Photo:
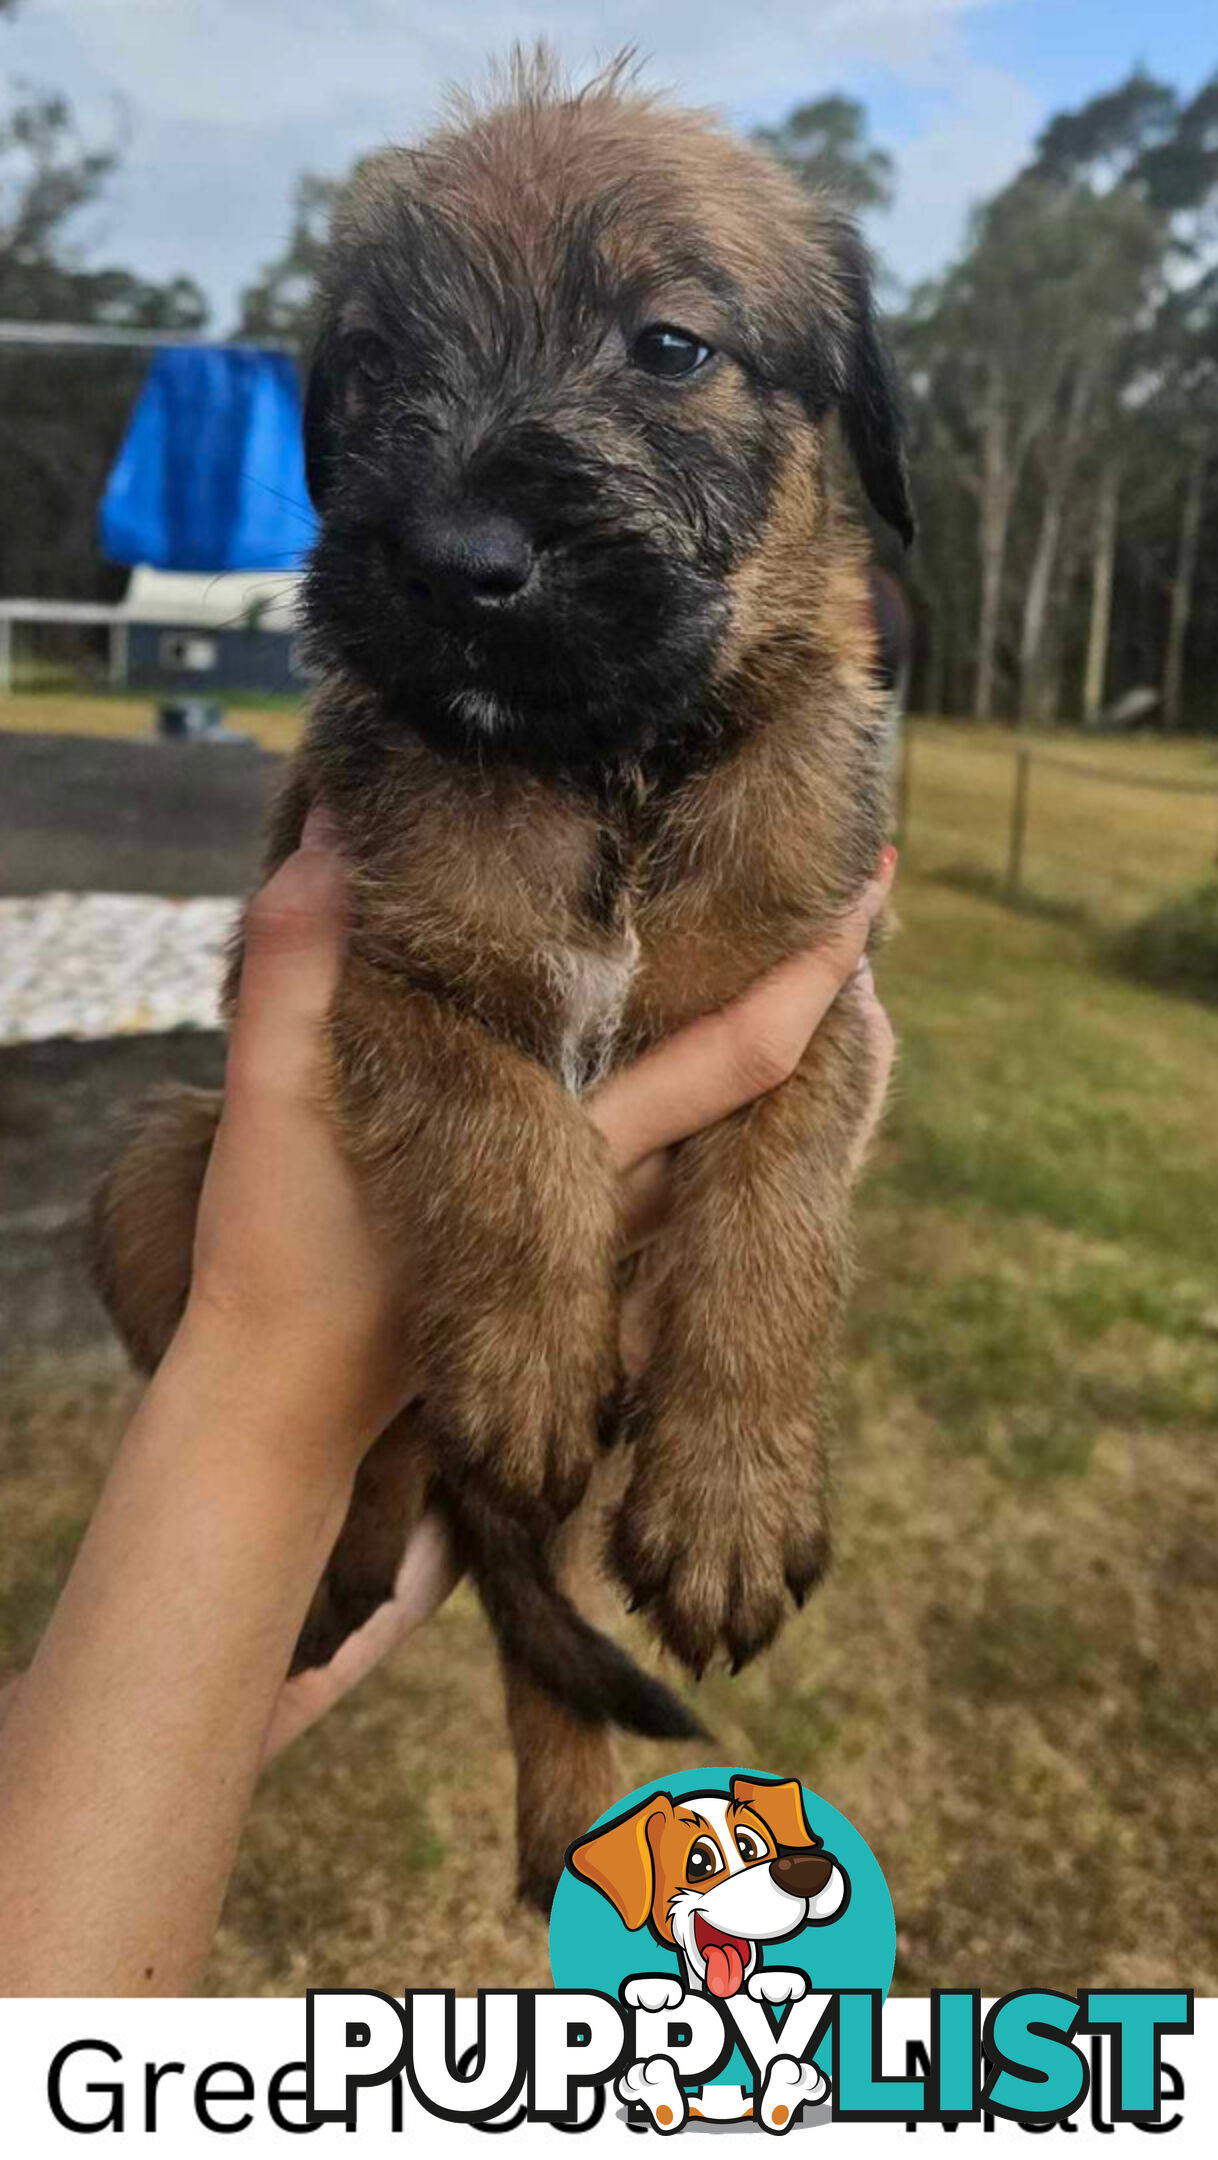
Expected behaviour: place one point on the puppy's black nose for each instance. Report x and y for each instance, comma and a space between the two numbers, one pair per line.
464, 561
802, 1874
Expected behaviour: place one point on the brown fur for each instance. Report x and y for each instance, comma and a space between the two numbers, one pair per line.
471, 915
564, 1774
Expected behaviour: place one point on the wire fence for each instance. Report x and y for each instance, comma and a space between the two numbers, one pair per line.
1108, 831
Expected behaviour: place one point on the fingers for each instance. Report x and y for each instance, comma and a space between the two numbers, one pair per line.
427, 1576
719, 1063
883, 1054
644, 1192
292, 956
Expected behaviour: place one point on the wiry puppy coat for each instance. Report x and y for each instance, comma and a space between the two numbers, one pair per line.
598, 726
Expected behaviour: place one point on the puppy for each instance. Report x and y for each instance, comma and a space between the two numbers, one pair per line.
716, 1878
598, 723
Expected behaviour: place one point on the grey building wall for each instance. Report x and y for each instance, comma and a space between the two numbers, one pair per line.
265, 660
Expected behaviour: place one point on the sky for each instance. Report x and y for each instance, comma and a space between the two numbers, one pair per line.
219, 104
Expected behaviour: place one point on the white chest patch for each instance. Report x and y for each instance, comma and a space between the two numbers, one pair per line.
593, 988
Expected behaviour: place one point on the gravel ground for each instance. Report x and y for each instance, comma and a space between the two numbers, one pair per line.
94, 965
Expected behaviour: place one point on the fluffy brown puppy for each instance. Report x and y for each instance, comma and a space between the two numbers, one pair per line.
598, 726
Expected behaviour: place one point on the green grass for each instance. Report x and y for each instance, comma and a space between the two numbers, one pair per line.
1012, 1665
274, 722
1175, 947
1103, 842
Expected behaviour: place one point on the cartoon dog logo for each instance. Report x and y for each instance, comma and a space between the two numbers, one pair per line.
717, 1877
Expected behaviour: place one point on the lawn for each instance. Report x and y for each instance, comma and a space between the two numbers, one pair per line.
273, 722
1010, 1680
1115, 824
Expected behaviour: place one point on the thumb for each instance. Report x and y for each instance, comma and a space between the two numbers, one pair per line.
294, 934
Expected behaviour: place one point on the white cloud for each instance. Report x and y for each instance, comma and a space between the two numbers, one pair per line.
227, 100
981, 136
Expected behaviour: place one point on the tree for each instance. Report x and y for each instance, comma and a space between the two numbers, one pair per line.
1186, 410
62, 412
999, 347
280, 302
825, 145
1117, 249
1064, 376
1103, 571
1140, 145
1109, 141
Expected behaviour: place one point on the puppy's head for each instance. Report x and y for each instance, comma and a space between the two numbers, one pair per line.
716, 1876
564, 422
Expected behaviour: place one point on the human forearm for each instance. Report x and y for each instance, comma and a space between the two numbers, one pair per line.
131, 1746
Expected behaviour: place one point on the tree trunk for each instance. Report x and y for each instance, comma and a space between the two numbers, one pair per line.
1036, 607
1103, 564
934, 666
1039, 593
1182, 591
994, 531
1053, 659
993, 564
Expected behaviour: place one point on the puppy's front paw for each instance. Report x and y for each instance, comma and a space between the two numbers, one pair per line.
653, 1991
713, 1548
519, 1396
778, 1986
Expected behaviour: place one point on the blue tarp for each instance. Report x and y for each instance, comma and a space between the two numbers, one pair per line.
211, 472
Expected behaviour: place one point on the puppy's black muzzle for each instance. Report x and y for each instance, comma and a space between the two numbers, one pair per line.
457, 566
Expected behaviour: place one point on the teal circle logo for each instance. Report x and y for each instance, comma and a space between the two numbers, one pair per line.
717, 1876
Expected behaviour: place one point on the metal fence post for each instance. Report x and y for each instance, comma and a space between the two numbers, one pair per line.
117, 670
1019, 824
6, 655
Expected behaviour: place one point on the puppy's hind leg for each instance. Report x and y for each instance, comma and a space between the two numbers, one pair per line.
564, 1779
567, 1682
143, 1224
566, 1761
361, 1574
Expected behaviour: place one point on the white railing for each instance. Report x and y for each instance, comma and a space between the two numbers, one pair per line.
89, 613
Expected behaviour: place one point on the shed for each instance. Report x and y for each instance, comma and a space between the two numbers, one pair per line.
239, 630
177, 631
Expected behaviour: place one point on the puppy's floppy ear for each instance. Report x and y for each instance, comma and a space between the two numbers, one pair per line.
618, 1860
319, 416
868, 397
780, 1805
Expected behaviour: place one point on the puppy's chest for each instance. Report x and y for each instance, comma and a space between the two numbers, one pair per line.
523, 917
557, 933
591, 989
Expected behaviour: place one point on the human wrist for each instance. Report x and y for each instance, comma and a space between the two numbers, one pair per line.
300, 1405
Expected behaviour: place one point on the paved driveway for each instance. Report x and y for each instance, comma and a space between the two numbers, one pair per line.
84, 816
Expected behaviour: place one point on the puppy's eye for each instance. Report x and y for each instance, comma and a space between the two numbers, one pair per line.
704, 1860
661, 349
749, 1847
369, 358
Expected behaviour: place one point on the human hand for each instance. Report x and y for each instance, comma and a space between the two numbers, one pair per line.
291, 1284
727, 1059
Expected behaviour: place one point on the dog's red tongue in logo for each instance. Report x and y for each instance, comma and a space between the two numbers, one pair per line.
726, 1957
